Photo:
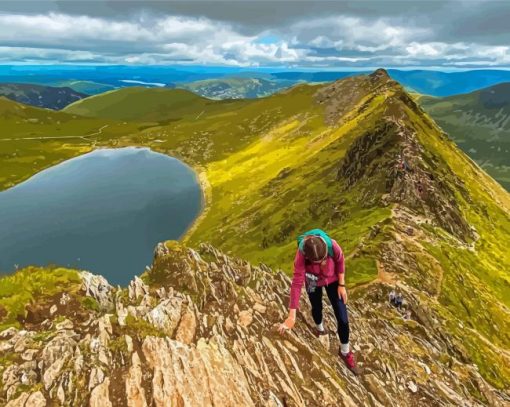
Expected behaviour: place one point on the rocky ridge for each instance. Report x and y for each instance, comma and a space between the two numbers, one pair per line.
197, 329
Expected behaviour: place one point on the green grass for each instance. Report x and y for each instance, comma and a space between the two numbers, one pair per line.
33, 284
90, 304
139, 104
141, 328
361, 270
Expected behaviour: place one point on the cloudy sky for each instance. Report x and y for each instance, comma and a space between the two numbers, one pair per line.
306, 33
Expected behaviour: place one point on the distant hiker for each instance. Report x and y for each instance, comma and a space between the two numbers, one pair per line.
407, 315
419, 187
406, 165
64, 299
399, 300
392, 297
319, 262
401, 167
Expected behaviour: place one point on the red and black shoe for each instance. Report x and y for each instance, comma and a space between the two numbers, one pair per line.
349, 361
317, 332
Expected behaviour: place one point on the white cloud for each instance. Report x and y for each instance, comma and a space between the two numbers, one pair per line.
58, 28
459, 53
354, 33
27, 54
149, 39
416, 49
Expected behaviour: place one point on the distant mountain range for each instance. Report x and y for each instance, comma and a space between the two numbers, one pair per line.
40, 96
437, 83
479, 122
236, 88
217, 82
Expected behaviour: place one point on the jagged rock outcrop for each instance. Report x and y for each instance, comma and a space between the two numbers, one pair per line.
197, 329
98, 288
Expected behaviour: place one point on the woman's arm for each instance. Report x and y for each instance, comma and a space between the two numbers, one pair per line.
297, 280
338, 258
340, 270
295, 291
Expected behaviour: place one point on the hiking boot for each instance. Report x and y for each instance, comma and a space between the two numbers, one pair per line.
317, 332
349, 361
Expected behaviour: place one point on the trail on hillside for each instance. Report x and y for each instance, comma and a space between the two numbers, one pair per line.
84, 137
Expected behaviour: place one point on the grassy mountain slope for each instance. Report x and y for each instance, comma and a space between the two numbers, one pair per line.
327, 156
40, 96
139, 104
33, 139
479, 122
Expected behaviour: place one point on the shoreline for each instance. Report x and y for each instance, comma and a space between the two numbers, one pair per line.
205, 187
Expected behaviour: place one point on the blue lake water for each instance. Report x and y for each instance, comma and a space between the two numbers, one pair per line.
103, 211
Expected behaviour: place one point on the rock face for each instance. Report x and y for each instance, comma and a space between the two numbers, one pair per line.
98, 288
197, 329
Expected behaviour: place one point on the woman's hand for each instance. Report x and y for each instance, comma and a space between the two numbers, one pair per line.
287, 324
342, 293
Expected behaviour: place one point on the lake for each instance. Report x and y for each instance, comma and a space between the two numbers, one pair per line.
104, 211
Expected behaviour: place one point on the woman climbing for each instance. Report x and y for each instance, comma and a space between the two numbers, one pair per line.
319, 262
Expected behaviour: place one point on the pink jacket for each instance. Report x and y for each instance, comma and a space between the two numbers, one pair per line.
329, 273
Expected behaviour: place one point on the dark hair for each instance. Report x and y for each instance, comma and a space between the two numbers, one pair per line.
315, 248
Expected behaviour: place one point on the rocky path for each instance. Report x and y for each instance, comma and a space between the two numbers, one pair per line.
198, 330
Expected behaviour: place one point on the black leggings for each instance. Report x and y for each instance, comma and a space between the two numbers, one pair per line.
339, 308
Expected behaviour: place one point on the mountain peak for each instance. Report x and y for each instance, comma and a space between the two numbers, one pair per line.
343, 95
380, 73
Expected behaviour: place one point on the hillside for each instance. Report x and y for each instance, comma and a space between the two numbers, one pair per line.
41, 96
479, 122
10, 109
33, 139
327, 155
139, 104
234, 88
